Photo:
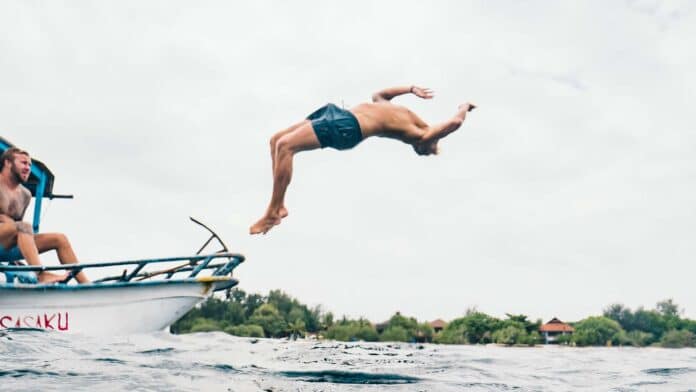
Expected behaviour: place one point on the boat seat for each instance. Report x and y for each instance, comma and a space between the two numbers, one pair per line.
12, 257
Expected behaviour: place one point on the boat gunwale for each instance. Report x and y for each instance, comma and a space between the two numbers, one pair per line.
90, 286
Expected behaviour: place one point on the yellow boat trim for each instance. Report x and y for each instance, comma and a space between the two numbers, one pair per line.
209, 279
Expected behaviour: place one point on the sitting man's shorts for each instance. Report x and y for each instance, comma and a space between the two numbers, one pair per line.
336, 127
12, 255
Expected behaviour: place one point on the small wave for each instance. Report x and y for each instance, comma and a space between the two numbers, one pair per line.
643, 383
668, 371
27, 329
29, 372
157, 351
223, 367
111, 360
496, 386
343, 377
483, 360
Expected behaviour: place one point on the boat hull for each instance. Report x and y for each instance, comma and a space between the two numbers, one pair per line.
98, 309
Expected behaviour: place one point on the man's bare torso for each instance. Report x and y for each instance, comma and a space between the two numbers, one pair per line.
14, 202
386, 119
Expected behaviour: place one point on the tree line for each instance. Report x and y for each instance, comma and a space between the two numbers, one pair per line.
278, 315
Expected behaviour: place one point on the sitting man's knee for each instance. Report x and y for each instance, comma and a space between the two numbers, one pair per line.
62, 240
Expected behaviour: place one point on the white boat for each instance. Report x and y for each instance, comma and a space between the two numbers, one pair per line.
148, 295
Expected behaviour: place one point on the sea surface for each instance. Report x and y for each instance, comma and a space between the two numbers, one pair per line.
51, 361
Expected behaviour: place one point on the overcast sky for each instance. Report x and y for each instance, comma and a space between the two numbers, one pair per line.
570, 188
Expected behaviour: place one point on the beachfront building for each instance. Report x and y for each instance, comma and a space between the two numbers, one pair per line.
438, 325
553, 329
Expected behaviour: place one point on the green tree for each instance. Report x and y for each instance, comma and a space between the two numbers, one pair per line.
268, 317
597, 331
476, 326
620, 314
237, 295
296, 314
511, 335
522, 320
689, 325
283, 302
395, 333
204, 325
636, 338
367, 332
327, 320
398, 323
649, 321
678, 338
652, 323
251, 303
424, 332
213, 308
351, 330
670, 314
250, 330
234, 313
452, 335
668, 308
297, 328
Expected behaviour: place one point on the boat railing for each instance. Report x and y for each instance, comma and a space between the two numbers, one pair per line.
193, 265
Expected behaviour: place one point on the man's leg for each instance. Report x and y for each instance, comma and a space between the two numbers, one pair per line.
27, 246
274, 140
14, 234
8, 232
301, 139
59, 242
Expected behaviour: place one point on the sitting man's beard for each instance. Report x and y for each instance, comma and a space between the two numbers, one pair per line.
17, 175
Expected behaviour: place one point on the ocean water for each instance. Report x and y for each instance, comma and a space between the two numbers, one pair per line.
50, 361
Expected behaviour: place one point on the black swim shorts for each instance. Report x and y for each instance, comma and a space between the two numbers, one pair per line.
336, 127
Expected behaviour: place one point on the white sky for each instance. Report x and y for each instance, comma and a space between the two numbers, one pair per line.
571, 187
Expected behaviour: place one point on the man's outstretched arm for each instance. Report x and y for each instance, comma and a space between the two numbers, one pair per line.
389, 93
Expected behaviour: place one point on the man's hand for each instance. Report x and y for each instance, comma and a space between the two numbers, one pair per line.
467, 107
422, 92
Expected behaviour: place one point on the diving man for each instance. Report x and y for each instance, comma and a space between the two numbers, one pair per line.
14, 200
331, 126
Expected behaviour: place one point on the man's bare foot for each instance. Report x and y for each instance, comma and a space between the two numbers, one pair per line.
468, 106
47, 277
264, 224
283, 212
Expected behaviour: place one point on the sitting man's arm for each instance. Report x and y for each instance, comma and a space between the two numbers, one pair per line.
389, 93
19, 226
24, 227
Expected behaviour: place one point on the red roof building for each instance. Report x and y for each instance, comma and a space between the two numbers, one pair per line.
438, 325
555, 328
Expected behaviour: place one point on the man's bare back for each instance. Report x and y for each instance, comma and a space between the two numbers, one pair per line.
341, 129
386, 119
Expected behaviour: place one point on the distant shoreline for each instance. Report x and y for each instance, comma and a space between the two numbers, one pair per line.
277, 315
